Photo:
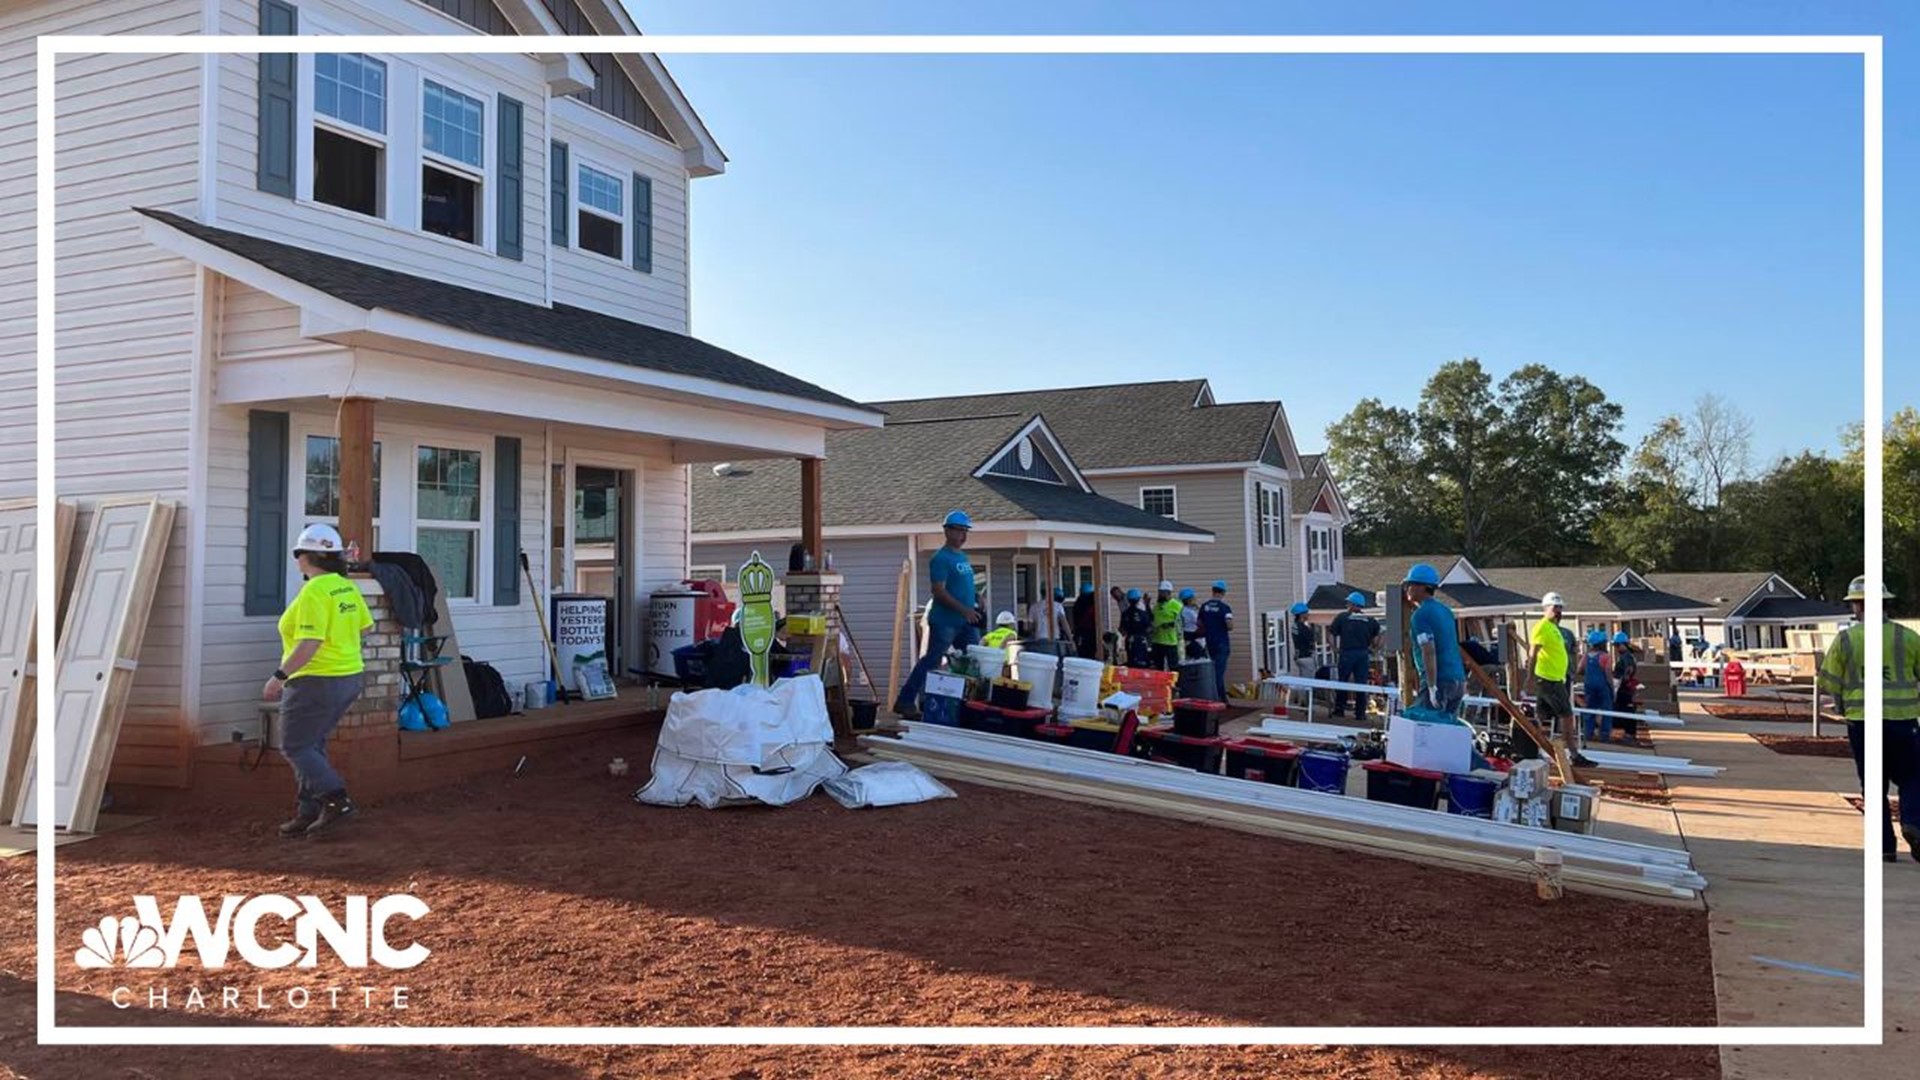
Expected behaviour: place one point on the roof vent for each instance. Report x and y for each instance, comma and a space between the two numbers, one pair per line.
725, 468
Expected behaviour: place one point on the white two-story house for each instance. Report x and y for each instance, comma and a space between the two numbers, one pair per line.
480, 259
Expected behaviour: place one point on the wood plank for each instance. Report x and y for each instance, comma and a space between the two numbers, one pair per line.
355, 430
812, 531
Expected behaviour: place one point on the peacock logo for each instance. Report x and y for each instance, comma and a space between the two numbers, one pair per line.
126, 940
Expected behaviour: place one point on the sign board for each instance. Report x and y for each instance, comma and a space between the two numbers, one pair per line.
579, 633
756, 614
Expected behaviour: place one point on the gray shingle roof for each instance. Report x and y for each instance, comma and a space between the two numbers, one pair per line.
1133, 424
1379, 573
907, 474
1796, 609
1724, 590
1332, 597
1585, 589
561, 327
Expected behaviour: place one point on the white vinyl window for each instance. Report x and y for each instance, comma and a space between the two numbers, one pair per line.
453, 162
448, 533
1320, 550
1159, 500
320, 485
1270, 508
350, 132
600, 200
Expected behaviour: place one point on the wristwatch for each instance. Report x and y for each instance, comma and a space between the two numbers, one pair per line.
280, 673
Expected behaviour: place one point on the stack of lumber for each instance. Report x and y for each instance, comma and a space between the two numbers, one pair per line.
1595, 864
1656, 682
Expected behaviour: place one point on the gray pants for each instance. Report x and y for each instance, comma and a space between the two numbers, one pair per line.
310, 708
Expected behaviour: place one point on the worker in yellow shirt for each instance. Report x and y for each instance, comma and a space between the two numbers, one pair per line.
1547, 676
1845, 681
1005, 629
1165, 636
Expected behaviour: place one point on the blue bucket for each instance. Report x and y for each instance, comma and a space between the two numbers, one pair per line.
1471, 796
1324, 770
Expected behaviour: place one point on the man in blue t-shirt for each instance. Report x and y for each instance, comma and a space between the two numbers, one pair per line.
953, 616
1436, 643
1216, 629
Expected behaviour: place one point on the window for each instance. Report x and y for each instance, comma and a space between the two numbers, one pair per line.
453, 139
320, 483
601, 216
1272, 511
447, 486
349, 132
1320, 550
1158, 500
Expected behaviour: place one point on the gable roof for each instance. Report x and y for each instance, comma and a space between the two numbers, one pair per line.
909, 474
1381, 573
1104, 425
561, 327
1589, 590
1725, 590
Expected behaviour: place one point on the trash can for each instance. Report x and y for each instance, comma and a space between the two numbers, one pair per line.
1735, 677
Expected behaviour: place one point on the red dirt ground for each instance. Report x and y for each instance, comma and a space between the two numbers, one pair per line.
1786, 713
557, 900
1804, 745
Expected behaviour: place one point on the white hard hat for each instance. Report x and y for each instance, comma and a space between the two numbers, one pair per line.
1005, 618
1857, 589
1166, 586
1552, 599
320, 537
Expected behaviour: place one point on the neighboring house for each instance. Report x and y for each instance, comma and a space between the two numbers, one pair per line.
1754, 609
1322, 520
1478, 604
1170, 449
1612, 598
478, 260
885, 493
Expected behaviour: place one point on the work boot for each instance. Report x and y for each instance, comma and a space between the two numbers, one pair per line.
332, 811
302, 820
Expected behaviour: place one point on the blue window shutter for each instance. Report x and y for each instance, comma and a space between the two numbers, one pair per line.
557, 197
506, 521
642, 224
512, 190
274, 174
266, 588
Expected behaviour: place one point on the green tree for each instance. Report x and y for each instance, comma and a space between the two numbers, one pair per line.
1900, 502
1804, 519
1653, 521
1513, 472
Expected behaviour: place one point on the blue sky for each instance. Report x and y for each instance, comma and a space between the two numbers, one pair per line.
1317, 229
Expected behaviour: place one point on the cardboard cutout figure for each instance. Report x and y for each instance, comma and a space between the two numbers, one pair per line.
756, 614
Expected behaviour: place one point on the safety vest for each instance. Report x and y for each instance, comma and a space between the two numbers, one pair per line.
1166, 622
1843, 672
998, 637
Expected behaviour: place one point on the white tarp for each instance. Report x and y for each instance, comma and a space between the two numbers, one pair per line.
747, 744
886, 783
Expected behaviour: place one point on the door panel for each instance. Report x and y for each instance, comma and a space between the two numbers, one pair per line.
17, 553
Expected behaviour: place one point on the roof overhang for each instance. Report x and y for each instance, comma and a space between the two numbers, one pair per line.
567, 73
376, 331
656, 84
1040, 535
1142, 470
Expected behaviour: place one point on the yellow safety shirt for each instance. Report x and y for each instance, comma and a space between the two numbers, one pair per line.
1843, 672
1551, 664
329, 609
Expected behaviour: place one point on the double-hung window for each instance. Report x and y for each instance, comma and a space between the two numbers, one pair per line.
600, 201
447, 516
1158, 500
320, 486
453, 167
1320, 550
350, 132
1271, 509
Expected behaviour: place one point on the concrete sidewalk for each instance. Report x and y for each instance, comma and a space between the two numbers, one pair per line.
1781, 848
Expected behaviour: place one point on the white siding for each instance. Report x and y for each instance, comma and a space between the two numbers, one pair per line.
592, 281
241, 205
126, 135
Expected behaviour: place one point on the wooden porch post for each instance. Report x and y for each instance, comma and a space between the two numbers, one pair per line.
356, 473
811, 528
1100, 600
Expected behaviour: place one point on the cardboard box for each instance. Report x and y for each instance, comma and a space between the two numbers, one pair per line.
1537, 812
1415, 744
1573, 807
807, 625
1528, 779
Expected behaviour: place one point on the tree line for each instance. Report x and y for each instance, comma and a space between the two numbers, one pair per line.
1531, 470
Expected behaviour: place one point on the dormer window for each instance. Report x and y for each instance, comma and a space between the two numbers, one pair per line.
350, 132
601, 200
453, 166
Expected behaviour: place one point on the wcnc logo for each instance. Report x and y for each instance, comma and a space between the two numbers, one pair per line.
359, 936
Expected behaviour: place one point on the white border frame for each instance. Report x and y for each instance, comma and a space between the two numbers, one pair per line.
1867, 47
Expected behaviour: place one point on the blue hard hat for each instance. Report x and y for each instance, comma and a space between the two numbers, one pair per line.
1086, 587
1133, 594
1059, 593
1620, 638
1298, 609
1219, 586
1358, 598
1186, 594
1596, 637
1423, 574
957, 519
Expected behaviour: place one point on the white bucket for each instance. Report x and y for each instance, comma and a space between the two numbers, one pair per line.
1080, 686
1038, 669
990, 661
536, 694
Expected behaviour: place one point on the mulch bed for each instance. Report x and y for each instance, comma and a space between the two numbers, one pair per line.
1649, 794
557, 900
1804, 745
1783, 713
